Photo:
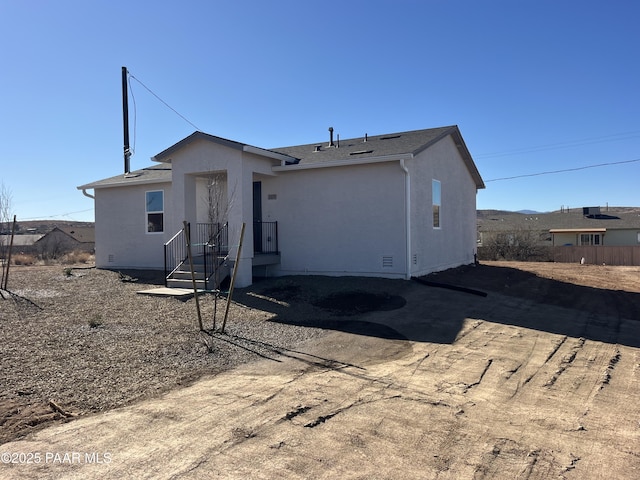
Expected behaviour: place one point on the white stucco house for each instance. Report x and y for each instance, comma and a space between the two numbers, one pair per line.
396, 205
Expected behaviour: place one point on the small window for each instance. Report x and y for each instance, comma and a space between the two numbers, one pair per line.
436, 201
155, 211
590, 239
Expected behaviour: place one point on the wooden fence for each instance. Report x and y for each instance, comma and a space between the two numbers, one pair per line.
597, 255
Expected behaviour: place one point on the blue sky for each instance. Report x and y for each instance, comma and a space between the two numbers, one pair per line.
534, 86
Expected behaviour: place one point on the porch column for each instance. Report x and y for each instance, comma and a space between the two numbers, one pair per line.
240, 198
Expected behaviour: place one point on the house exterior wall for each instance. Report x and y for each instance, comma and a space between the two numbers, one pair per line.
612, 237
346, 220
622, 237
122, 240
219, 200
454, 243
189, 167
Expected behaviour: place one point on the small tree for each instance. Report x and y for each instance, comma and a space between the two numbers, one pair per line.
5, 229
219, 203
51, 248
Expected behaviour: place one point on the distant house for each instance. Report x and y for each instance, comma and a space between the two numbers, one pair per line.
577, 227
580, 227
21, 243
591, 227
61, 240
395, 205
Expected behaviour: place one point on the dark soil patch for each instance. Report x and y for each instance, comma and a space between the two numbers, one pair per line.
285, 292
356, 302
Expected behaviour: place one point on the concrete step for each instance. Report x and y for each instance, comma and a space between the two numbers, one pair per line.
184, 283
186, 275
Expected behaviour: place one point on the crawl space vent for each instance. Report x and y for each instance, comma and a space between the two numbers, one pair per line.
387, 261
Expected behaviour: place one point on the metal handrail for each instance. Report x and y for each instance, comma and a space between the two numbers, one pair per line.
175, 253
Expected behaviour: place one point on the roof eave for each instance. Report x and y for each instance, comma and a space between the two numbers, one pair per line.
282, 158
123, 183
578, 230
343, 163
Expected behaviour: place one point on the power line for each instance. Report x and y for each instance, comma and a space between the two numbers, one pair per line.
563, 170
559, 145
135, 116
165, 103
59, 215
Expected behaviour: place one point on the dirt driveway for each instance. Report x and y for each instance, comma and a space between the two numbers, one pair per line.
539, 379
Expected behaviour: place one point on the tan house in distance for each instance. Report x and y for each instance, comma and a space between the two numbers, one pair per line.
589, 234
595, 228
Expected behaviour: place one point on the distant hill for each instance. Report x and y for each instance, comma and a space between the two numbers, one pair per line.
604, 210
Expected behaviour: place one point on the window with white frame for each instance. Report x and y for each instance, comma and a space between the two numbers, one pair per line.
436, 202
590, 239
155, 211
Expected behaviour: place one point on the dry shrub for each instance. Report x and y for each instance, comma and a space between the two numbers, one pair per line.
24, 259
75, 257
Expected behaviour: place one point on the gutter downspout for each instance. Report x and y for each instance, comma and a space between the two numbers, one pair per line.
84, 192
407, 207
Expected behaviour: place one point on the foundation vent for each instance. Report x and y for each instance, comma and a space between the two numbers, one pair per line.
387, 261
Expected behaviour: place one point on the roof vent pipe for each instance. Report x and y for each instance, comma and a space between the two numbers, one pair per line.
366, 137
331, 144
338, 144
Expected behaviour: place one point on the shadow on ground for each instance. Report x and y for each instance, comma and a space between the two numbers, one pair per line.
401, 310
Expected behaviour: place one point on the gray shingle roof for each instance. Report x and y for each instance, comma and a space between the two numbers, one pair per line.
388, 145
376, 146
153, 174
510, 221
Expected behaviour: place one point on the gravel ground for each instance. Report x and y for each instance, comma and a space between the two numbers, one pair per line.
76, 341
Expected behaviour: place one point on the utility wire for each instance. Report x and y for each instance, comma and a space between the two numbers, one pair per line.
135, 116
59, 215
554, 146
563, 170
165, 103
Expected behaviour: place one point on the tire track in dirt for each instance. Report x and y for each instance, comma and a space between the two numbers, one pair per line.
565, 361
536, 362
475, 384
508, 458
461, 369
551, 354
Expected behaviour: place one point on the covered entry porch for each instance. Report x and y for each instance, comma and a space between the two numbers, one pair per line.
211, 254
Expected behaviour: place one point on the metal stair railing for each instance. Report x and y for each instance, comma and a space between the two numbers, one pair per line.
210, 249
175, 254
